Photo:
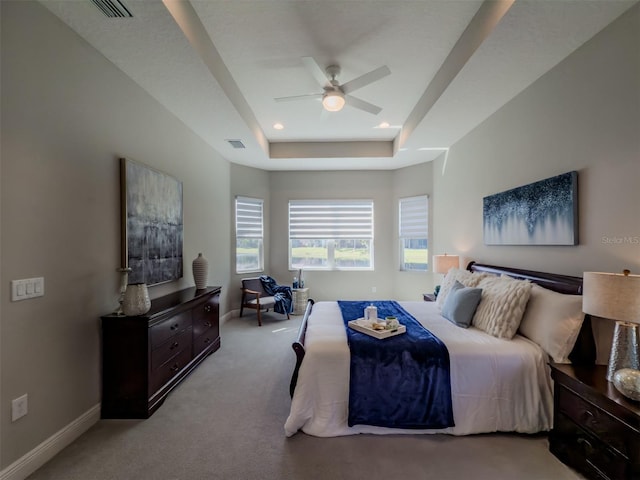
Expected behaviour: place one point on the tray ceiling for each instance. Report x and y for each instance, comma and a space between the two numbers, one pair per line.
218, 65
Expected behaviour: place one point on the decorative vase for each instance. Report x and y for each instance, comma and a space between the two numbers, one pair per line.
136, 300
200, 271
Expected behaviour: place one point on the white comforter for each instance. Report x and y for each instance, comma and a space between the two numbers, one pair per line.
496, 385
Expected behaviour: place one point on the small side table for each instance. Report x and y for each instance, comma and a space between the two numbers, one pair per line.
429, 297
596, 430
300, 299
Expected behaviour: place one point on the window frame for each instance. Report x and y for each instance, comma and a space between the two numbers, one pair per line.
413, 224
358, 225
251, 230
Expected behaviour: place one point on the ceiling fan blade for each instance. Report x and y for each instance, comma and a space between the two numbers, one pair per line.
316, 70
366, 79
309, 96
362, 105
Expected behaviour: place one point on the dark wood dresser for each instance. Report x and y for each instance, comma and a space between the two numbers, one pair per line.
145, 357
596, 429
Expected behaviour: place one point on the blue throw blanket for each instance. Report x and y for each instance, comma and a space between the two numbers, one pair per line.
281, 294
401, 381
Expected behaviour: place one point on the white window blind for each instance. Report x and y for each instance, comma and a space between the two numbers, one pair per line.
414, 217
249, 223
330, 219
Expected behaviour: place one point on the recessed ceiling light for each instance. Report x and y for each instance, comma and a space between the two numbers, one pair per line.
278, 126
384, 125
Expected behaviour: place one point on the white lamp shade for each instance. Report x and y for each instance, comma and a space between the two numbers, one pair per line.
444, 263
612, 295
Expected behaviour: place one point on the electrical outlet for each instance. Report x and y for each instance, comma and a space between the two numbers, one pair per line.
374, 289
19, 407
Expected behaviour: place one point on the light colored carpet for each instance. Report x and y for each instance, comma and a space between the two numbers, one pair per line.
225, 421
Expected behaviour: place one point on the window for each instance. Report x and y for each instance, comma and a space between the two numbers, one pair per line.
249, 235
414, 228
331, 234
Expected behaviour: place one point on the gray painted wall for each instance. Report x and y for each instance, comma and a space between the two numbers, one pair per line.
67, 116
384, 188
583, 115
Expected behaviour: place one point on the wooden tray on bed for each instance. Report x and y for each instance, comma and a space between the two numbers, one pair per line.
361, 325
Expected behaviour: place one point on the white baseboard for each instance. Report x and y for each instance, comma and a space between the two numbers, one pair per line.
229, 315
30, 462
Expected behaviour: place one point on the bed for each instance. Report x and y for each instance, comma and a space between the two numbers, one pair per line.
497, 384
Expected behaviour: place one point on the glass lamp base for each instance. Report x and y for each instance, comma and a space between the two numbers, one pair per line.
627, 382
624, 349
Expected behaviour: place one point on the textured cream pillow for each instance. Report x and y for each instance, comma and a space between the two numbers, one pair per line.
502, 306
465, 277
553, 320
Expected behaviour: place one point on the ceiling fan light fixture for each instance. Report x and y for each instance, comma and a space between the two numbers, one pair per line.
333, 101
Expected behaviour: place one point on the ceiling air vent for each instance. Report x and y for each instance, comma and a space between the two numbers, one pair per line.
236, 143
112, 8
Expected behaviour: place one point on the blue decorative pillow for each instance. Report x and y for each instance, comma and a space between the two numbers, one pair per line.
461, 304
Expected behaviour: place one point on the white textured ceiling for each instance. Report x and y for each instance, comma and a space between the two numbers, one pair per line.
218, 65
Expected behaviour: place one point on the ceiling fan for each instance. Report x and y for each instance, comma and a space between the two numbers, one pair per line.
336, 95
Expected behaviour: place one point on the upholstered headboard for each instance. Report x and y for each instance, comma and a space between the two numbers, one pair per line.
584, 351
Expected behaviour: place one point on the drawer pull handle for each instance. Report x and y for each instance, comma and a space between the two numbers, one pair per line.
175, 367
588, 448
173, 345
175, 326
207, 324
207, 308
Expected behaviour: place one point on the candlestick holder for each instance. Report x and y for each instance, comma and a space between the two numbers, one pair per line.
124, 281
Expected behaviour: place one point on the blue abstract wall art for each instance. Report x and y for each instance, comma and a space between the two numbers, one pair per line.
541, 213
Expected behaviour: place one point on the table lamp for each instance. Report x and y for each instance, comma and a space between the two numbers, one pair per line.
444, 263
616, 297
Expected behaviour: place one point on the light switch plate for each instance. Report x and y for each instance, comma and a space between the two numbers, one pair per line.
27, 288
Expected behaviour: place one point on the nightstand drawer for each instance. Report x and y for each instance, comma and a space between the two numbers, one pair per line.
608, 429
585, 452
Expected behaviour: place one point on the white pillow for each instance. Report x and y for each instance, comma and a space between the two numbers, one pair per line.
465, 277
502, 305
553, 320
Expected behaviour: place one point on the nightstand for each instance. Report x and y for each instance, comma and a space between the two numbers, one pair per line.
596, 429
429, 297
300, 299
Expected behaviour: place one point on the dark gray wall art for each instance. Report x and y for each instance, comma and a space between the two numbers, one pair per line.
541, 213
151, 224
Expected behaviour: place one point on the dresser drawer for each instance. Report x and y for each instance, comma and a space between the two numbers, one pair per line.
608, 429
168, 370
171, 348
585, 452
203, 341
204, 318
163, 331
